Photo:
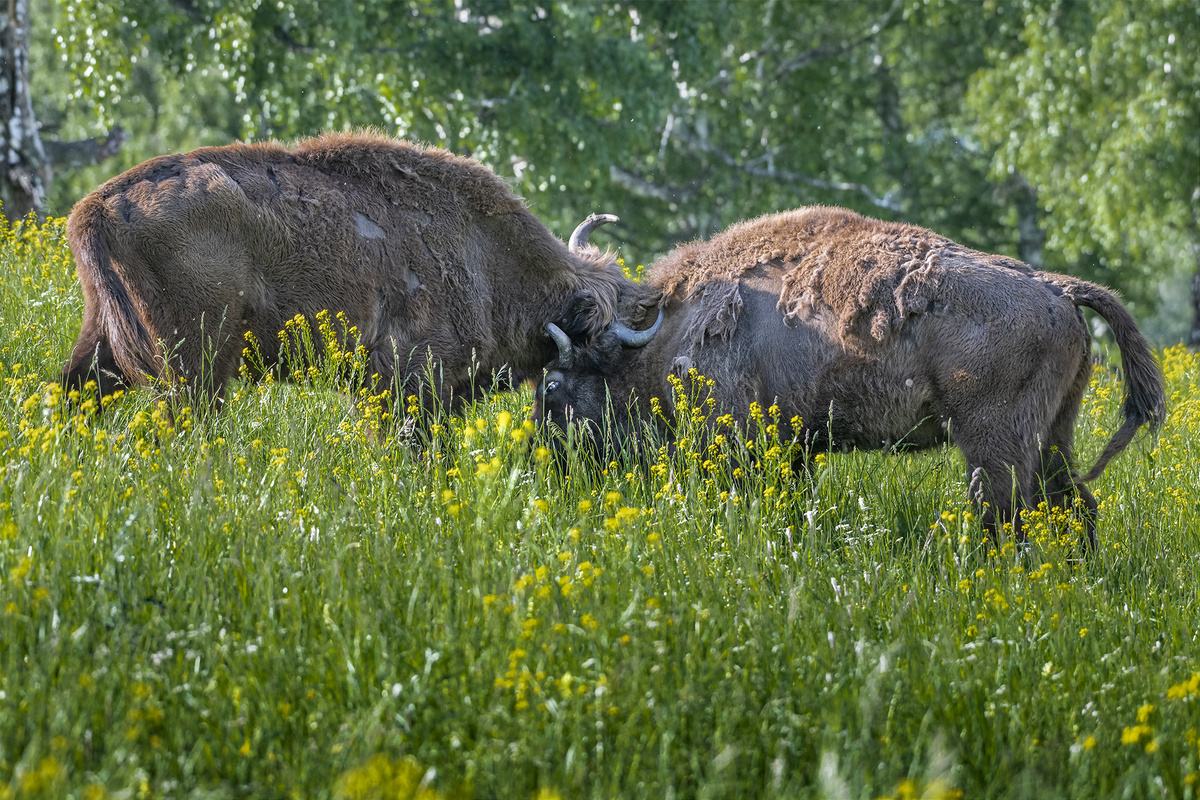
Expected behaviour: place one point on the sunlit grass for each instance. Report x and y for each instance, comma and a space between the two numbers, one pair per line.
298, 597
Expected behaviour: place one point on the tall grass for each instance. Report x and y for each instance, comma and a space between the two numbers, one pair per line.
291, 598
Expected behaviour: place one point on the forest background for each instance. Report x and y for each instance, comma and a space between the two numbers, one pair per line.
1064, 133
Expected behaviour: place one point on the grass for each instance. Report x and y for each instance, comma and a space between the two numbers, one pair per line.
276, 601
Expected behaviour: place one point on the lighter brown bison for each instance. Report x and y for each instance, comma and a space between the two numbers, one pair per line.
439, 266
875, 334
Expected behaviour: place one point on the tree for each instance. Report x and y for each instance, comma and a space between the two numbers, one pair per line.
23, 187
537, 92
1098, 105
850, 104
681, 117
31, 163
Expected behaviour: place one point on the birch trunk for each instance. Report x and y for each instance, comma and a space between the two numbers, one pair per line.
25, 175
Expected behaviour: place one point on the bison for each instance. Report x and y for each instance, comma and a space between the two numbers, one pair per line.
876, 335
430, 256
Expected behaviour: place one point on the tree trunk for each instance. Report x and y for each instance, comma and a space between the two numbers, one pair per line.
25, 174
1193, 339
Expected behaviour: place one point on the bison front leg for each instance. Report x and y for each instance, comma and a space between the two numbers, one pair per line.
201, 355
998, 501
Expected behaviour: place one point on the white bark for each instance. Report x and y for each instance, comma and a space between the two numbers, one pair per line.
25, 173
28, 164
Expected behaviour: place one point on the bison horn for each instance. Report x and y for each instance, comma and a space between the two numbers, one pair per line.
631, 338
565, 349
580, 236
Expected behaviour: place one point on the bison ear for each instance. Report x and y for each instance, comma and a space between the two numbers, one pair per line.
583, 318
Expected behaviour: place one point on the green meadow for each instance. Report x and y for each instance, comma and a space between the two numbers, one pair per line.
297, 598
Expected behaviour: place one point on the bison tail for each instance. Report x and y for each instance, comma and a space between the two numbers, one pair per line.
134, 350
1145, 400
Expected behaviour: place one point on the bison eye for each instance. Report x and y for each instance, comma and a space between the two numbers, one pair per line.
551, 386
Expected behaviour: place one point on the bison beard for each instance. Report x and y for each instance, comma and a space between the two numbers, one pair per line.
430, 256
875, 334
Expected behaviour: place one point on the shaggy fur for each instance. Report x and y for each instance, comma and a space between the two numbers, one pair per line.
430, 255
878, 335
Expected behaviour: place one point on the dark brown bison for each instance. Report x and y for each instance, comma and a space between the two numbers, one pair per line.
875, 334
434, 260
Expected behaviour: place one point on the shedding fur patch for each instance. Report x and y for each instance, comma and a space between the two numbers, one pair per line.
874, 279
714, 311
869, 275
719, 304
366, 228
713, 314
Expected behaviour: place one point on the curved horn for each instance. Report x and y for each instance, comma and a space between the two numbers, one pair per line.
631, 338
565, 351
580, 236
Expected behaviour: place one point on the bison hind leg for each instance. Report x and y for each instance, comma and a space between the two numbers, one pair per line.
1000, 481
1060, 482
1062, 488
198, 361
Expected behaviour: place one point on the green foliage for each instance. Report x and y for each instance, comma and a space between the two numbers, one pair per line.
1098, 105
291, 597
685, 117
117, 77
539, 93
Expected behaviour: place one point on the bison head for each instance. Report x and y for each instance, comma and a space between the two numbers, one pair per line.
588, 387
